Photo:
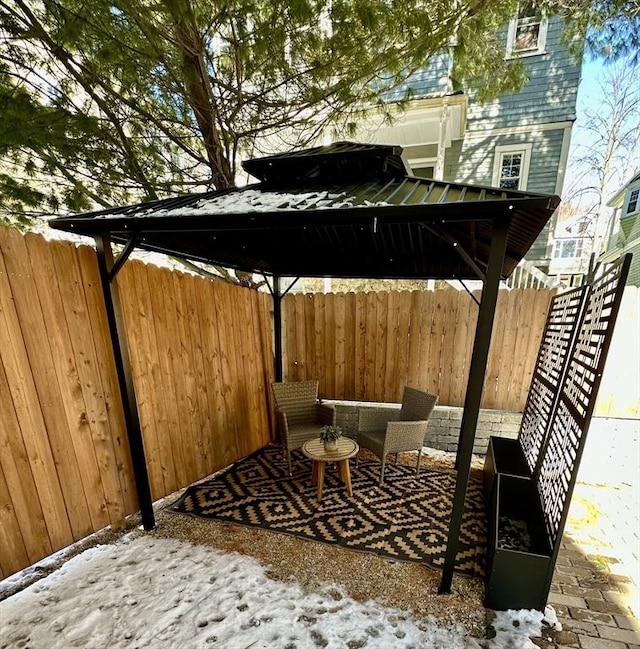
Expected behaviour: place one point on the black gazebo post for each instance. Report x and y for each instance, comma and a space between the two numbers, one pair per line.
277, 328
473, 397
108, 271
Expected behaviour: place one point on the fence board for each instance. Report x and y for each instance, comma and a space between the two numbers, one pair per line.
360, 345
349, 346
339, 332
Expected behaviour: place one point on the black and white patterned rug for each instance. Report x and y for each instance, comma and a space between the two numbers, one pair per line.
406, 519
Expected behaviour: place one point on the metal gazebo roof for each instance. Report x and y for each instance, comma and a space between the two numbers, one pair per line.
348, 210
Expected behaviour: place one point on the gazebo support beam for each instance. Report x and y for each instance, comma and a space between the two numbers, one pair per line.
473, 397
277, 328
108, 270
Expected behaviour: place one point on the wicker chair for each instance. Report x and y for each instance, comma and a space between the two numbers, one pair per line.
300, 415
387, 430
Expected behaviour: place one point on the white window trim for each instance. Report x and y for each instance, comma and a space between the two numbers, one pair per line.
542, 38
627, 200
500, 151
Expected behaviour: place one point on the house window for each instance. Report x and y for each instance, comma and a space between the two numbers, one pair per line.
511, 166
632, 205
567, 248
527, 31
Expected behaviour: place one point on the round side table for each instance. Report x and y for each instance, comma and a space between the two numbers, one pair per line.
314, 450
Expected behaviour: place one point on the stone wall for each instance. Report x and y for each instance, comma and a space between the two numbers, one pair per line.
444, 425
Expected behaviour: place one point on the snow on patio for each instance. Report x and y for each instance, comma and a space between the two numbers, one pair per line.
144, 591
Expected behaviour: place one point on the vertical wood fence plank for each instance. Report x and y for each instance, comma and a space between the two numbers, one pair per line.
390, 380
318, 309
349, 346
289, 314
371, 335
300, 338
380, 332
360, 346
329, 346
310, 370
450, 354
339, 333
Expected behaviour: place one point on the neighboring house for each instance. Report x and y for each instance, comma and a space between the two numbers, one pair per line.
518, 141
624, 232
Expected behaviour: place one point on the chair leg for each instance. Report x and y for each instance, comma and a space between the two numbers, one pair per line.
382, 471
289, 456
418, 464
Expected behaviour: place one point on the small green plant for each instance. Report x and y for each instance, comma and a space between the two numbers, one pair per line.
330, 433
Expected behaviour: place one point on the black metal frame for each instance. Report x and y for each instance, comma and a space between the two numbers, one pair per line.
109, 268
395, 232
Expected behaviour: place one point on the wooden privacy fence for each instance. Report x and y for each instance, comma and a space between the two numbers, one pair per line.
202, 361
368, 346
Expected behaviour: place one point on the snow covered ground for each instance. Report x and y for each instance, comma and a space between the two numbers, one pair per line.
148, 592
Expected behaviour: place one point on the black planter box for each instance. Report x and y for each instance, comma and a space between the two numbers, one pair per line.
505, 456
519, 565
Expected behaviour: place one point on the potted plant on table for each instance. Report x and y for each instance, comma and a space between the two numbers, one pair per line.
330, 436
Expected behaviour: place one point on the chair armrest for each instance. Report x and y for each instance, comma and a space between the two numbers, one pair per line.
376, 419
325, 414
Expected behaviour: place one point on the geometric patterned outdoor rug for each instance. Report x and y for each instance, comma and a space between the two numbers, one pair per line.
406, 519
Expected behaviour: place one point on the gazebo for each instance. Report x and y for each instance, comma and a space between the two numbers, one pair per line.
346, 210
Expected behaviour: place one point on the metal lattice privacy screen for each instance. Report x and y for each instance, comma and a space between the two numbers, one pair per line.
570, 419
563, 319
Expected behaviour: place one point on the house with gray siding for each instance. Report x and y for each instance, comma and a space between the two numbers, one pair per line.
519, 140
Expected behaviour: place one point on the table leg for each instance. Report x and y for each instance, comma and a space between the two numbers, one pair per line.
320, 471
314, 471
345, 475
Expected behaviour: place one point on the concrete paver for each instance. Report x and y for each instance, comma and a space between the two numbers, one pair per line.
595, 587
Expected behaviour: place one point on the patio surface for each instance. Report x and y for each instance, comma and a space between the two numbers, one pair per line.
595, 590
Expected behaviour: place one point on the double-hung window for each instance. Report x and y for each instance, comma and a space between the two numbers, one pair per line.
632, 202
511, 166
527, 31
